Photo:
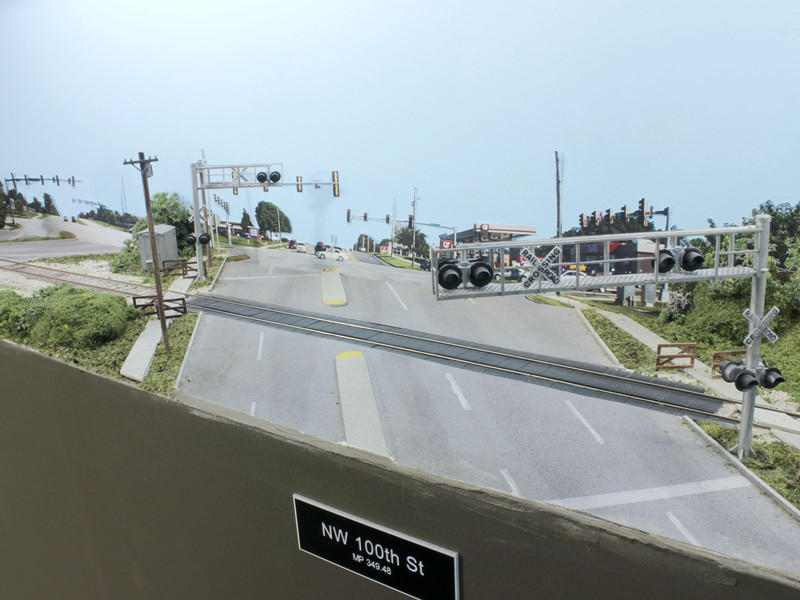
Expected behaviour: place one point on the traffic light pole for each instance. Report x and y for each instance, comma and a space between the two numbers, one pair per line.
757, 298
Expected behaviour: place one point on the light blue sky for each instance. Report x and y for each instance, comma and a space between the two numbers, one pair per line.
692, 105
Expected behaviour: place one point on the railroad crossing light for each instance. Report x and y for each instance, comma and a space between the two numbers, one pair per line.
365, 217
204, 238
348, 215
273, 177
452, 274
745, 379
300, 185
770, 377
688, 259
387, 219
191, 239
735, 372
335, 178
480, 273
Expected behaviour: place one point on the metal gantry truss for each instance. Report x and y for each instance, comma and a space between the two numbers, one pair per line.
725, 262
730, 262
235, 176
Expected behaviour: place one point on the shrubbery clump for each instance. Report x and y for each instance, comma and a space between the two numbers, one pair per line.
63, 317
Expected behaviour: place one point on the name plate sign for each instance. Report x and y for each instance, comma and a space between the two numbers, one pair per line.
393, 559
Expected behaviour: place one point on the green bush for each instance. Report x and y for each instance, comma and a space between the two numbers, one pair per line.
10, 306
76, 318
129, 260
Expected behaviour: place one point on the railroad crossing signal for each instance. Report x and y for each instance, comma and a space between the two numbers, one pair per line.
541, 266
760, 326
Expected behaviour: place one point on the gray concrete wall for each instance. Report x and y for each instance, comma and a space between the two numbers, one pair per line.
110, 492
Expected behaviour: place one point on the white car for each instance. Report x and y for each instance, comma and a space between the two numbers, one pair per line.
301, 247
332, 253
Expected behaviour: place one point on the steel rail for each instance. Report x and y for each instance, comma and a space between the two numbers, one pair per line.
61, 276
488, 366
106, 285
462, 346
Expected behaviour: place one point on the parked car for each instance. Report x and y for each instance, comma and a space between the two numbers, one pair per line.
511, 274
292, 244
425, 265
301, 247
332, 253
319, 247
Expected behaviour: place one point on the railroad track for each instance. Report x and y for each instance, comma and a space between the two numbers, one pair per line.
583, 378
53, 275
591, 380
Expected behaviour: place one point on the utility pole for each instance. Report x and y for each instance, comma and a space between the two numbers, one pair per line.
414, 228
144, 166
558, 197
394, 220
280, 236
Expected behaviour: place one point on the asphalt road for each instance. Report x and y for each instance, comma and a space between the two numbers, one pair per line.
634, 466
91, 238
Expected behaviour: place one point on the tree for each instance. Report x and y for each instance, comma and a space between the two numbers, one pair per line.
4, 200
267, 215
169, 209
49, 205
246, 222
36, 205
365, 241
407, 237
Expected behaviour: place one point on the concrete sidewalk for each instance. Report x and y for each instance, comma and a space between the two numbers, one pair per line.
702, 374
141, 355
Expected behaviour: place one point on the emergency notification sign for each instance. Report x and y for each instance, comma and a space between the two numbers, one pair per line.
403, 563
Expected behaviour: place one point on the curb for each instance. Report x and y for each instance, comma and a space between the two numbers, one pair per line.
222, 266
754, 479
598, 339
188, 349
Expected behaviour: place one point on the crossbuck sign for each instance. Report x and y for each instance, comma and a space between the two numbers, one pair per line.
541, 266
760, 326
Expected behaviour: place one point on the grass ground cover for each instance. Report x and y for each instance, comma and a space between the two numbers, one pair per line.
776, 463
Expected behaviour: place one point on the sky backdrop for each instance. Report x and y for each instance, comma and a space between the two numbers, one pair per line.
692, 105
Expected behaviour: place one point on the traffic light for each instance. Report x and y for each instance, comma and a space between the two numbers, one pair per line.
365, 217
642, 212
581, 219
387, 219
335, 178
625, 213
688, 259
609, 217
348, 215
300, 184
451, 274
410, 221
745, 379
